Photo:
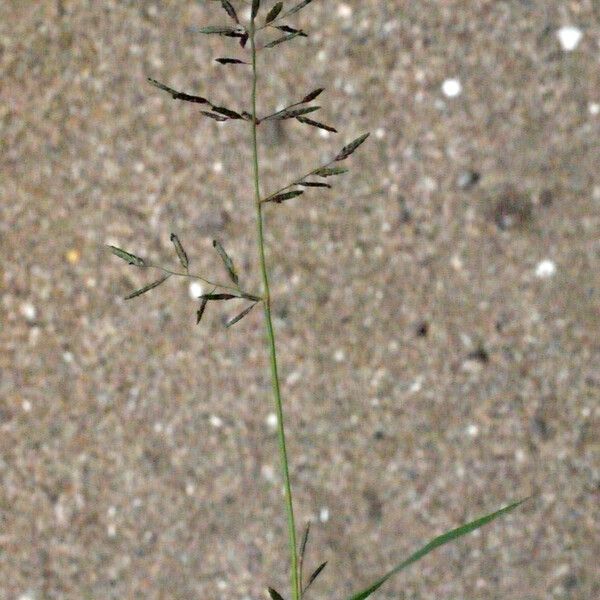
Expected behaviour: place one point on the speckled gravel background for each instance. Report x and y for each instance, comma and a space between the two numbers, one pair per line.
437, 313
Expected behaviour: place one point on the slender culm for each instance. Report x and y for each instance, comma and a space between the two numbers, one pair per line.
270, 333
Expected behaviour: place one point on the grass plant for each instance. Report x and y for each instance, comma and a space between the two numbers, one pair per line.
265, 28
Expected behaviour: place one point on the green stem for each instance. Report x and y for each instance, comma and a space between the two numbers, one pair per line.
271, 340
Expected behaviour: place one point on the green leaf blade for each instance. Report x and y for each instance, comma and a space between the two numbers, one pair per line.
273, 13
255, 9
329, 171
132, 259
181, 253
147, 288
347, 150
226, 261
435, 543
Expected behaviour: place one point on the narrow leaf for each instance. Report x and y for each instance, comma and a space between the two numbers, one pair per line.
288, 29
318, 124
313, 184
178, 95
201, 310
230, 10
303, 550
226, 30
231, 61
148, 287
255, 9
285, 38
226, 261
227, 112
239, 317
298, 7
346, 151
329, 171
183, 257
292, 113
285, 196
250, 297
273, 13
315, 574
310, 97
218, 296
449, 536
214, 116
132, 259
275, 595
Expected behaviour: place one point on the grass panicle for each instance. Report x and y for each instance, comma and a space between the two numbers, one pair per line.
254, 38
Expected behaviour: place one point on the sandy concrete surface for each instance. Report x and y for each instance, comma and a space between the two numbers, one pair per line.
437, 312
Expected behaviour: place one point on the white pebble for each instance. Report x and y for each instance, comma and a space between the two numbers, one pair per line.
451, 88
569, 37
344, 11
293, 377
218, 167
196, 290
594, 108
111, 531
190, 488
216, 421
158, 427
324, 514
339, 356
416, 385
272, 421
26, 406
545, 269
473, 430
268, 472
28, 311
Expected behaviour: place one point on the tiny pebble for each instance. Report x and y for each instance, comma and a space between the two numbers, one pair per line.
272, 421
473, 430
29, 311
268, 472
569, 37
196, 290
344, 11
451, 88
73, 256
216, 421
594, 108
545, 269
218, 167
324, 514
26, 406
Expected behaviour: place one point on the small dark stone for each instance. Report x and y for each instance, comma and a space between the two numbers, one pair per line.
405, 213
546, 197
375, 505
422, 329
467, 179
379, 434
512, 209
571, 581
480, 354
